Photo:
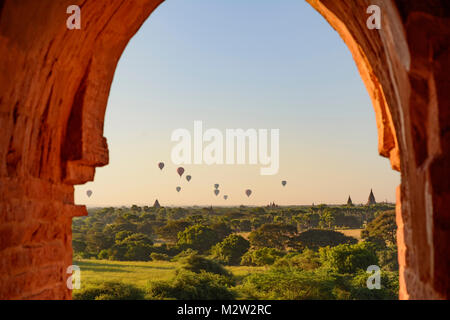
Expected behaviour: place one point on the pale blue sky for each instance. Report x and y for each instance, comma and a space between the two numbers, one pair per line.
240, 64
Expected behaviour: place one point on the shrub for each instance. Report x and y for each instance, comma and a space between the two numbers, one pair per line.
198, 264
104, 254
283, 284
388, 291
159, 256
168, 249
136, 239
307, 260
261, 257
117, 252
184, 253
188, 285
109, 290
388, 258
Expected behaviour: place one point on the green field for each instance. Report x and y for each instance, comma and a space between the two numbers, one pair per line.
355, 233
138, 273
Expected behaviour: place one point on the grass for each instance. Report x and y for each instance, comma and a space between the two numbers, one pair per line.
355, 233
139, 273
132, 272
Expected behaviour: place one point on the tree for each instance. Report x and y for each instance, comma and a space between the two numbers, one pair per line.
78, 245
273, 235
177, 213
197, 219
349, 221
136, 247
197, 237
122, 235
349, 258
97, 241
231, 249
131, 217
116, 252
120, 224
136, 208
148, 216
316, 238
235, 224
145, 228
170, 231
383, 227
327, 218
221, 229
245, 226
307, 220
137, 238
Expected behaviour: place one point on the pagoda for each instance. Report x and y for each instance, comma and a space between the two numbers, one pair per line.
371, 199
156, 204
349, 201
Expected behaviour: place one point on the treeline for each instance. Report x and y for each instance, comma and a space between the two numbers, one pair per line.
137, 232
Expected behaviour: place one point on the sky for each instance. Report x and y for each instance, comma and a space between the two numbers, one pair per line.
240, 64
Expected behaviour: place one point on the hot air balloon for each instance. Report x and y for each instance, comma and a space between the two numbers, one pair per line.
283, 182
161, 165
248, 192
225, 197
188, 178
216, 186
216, 192
89, 193
178, 189
180, 171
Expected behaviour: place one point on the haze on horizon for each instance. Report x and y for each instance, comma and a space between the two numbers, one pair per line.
232, 64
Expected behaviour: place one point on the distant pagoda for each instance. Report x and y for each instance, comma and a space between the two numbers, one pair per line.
371, 199
349, 201
272, 205
156, 204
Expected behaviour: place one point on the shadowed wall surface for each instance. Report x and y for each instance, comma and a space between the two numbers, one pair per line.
54, 89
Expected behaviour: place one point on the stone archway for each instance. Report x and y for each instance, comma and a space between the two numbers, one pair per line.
54, 88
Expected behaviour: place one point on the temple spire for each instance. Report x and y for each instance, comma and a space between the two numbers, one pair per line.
349, 201
371, 199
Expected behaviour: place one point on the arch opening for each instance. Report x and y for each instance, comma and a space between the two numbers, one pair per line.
67, 85
151, 95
